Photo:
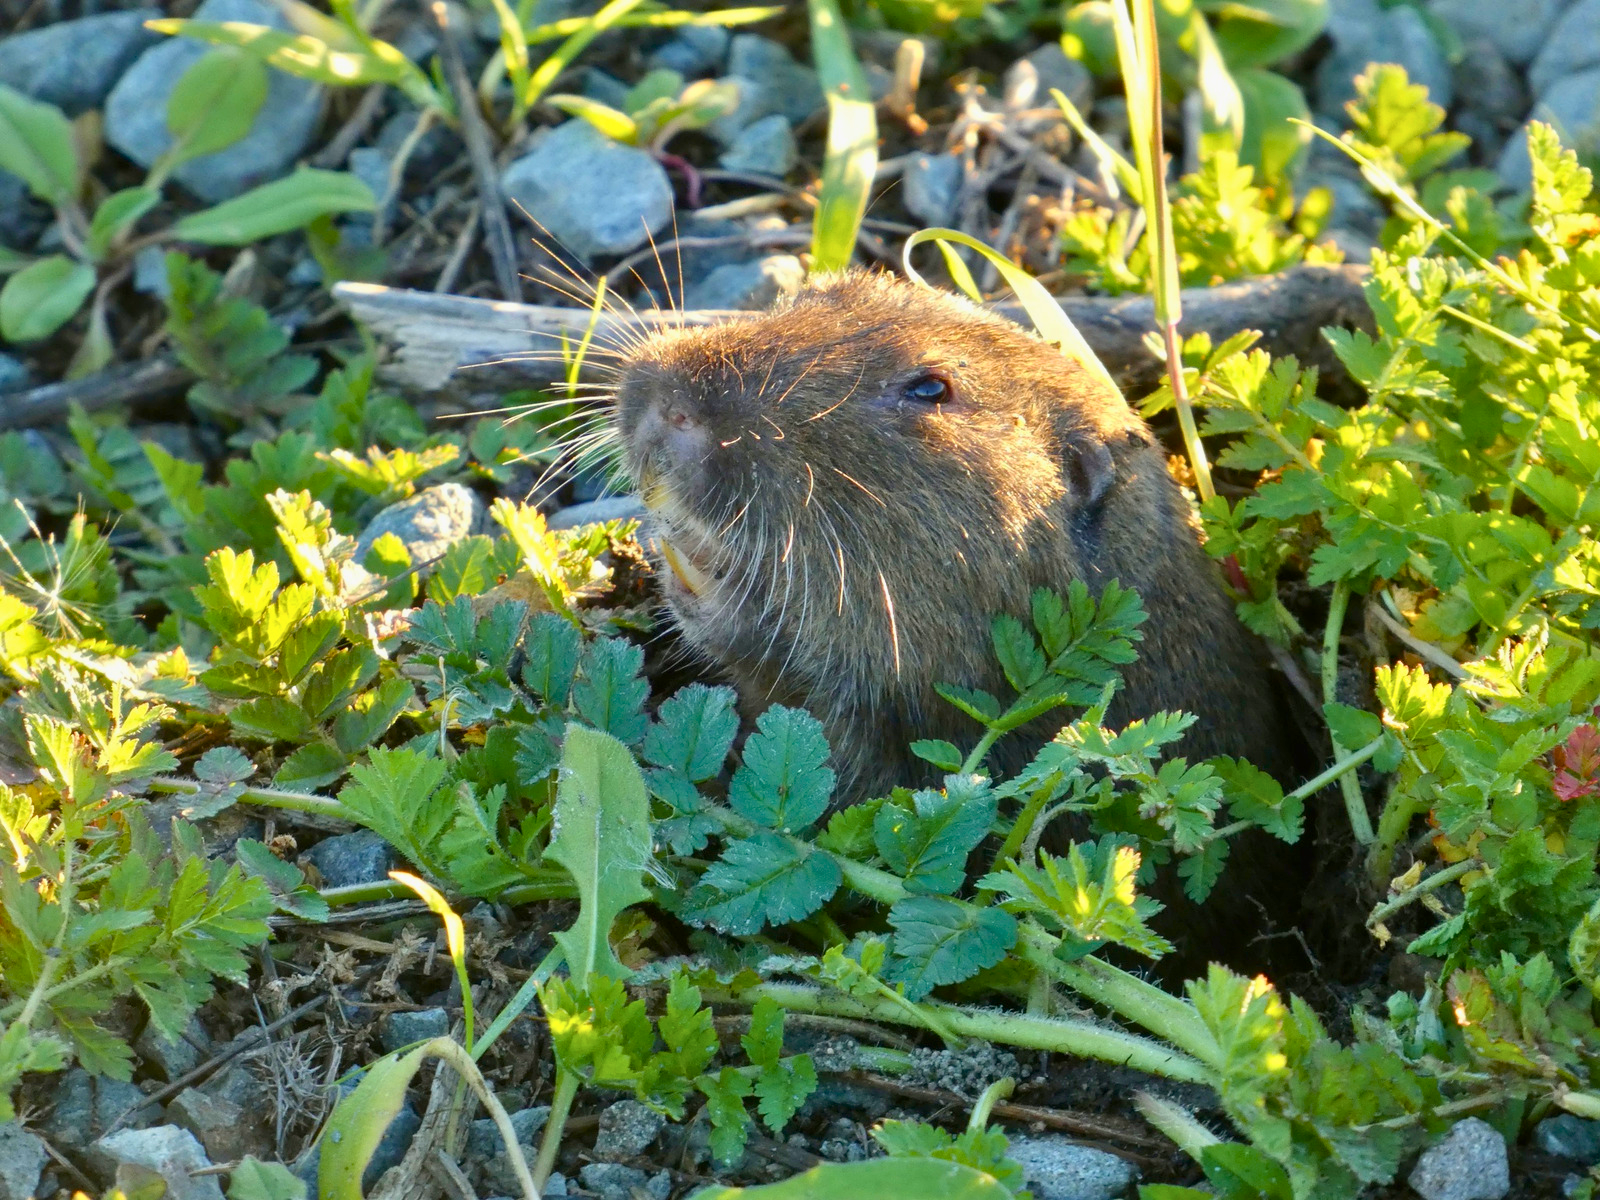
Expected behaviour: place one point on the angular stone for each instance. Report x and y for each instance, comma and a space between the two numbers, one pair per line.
627, 1129
592, 195
1572, 106
692, 51
399, 1029
748, 285
22, 1160
930, 187
1572, 46
73, 64
179, 1057
1029, 81
608, 508
169, 1151
1394, 35
352, 858
427, 524
136, 112
612, 1181
1519, 29
1469, 1164
86, 1105
224, 1129
1567, 1136
764, 147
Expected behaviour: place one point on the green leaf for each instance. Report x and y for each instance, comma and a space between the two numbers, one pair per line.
782, 1088
552, 645
42, 297
888, 1177
601, 835
1257, 797
782, 782
1240, 1170
214, 104
618, 126
938, 941
940, 753
1088, 893
694, 730
1272, 141
851, 155
687, 1028
1583, 950
276, 207
253, 1179
358, 1123
725, 1094
118, 213
271, 719
928, 846
762, 880
1257, 33
290, 890
1018, 652
36, 144
609, 693
399, 794
1352, 728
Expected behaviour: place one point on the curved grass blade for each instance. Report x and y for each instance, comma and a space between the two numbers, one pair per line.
852, 153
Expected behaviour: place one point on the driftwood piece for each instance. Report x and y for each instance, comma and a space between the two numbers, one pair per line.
124, 384
498, 346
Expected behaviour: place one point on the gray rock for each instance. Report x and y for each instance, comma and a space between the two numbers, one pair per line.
1394, 35
169, 1151
428, 524
747, 285
1058, 1170
609, 508
86, 1104
626, 1129
238, 1085
614, 1182
177, 1058
351, 858
1518, 28
1492, 98
1572, 46
840, 1095
150, 272
606, 88
1029, 80
433, 151
776, 83
22, 217
764, 147
371, 166
222, 1126
73, 64
399, 1029
14, 374
1567, 1136
1572, 105
1469, 1164
136, 112
591, 194
556, 1185
22, 1160
483, 1136
692, 51
930, 187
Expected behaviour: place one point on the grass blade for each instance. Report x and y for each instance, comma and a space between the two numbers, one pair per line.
852, 153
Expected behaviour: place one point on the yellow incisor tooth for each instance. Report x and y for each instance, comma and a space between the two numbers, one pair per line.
653, 490
691, 576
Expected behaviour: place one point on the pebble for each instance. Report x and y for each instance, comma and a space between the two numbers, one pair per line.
1567, 1136
606, 88
150, 276
136, 112
556, 1185
221, 1125
399, 1029
1029, 81
591, 194
351, 858
1573, 45
615, 1182
433, 152
427, 524
22, 217
1572, 105
747, 285
240, 1086
172, 1059
483, 1135
930, 187
1519, 30
764, 147
169, 1151
85, 1104
626, 1129
1493, 100
1469, 1164
693, 51
22, 1160
1398, 35
14, 374
73, 64
371, 165
1058, 1170
772, 82
609, 508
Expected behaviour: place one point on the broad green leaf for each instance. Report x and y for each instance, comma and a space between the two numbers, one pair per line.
117, 214
886, 1177
782, 782
276, 207
609, 692
214, 104
41, 298
928, 845
359, 1120
1258, 33
939, 941
851, 156
553, 646
36, 144
601, 835
1049, 322
939, 752
763, 880
1272, 142
253, 1179
694, 730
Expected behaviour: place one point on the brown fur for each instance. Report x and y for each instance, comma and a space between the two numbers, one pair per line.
860, 542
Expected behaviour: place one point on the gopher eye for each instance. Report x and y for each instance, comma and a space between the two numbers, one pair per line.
930, 389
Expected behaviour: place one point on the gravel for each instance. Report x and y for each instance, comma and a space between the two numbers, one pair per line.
169, 1151
351, 858
399, 1029
73, 64
930, 187
610, 508
627, 1129
22, 1161
427, 524
771, 82
747, 285
221, 1126
592, 195
14, 374
764, 147
1469, 1164
136, 112
614, 1182
1056, 1169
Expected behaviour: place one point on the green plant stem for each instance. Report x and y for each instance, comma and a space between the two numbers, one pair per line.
41, 996
1580, 1104
1180, 397
981, 751
1398, 809
1022, 827
321, 806
1433, 882
1176, 1122
560, 1106
551, 884
997, 1091
1079, 1038
1354, 804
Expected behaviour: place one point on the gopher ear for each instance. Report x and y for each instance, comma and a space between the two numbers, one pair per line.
1089, 473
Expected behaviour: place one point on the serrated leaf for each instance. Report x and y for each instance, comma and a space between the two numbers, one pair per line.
553, 646
938, 941
941, 754
782, 1088
763, 1042
609, 692
687, 1028
694, 730
1019, 654
885, 1177
601, 834
725, 1094
399, 795
1352, 728
782, 782
764, 880
928, 845
270, 719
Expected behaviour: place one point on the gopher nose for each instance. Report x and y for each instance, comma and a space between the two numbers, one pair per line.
676, 430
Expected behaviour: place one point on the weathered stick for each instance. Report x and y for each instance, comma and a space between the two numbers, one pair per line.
498, 347
125, 384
